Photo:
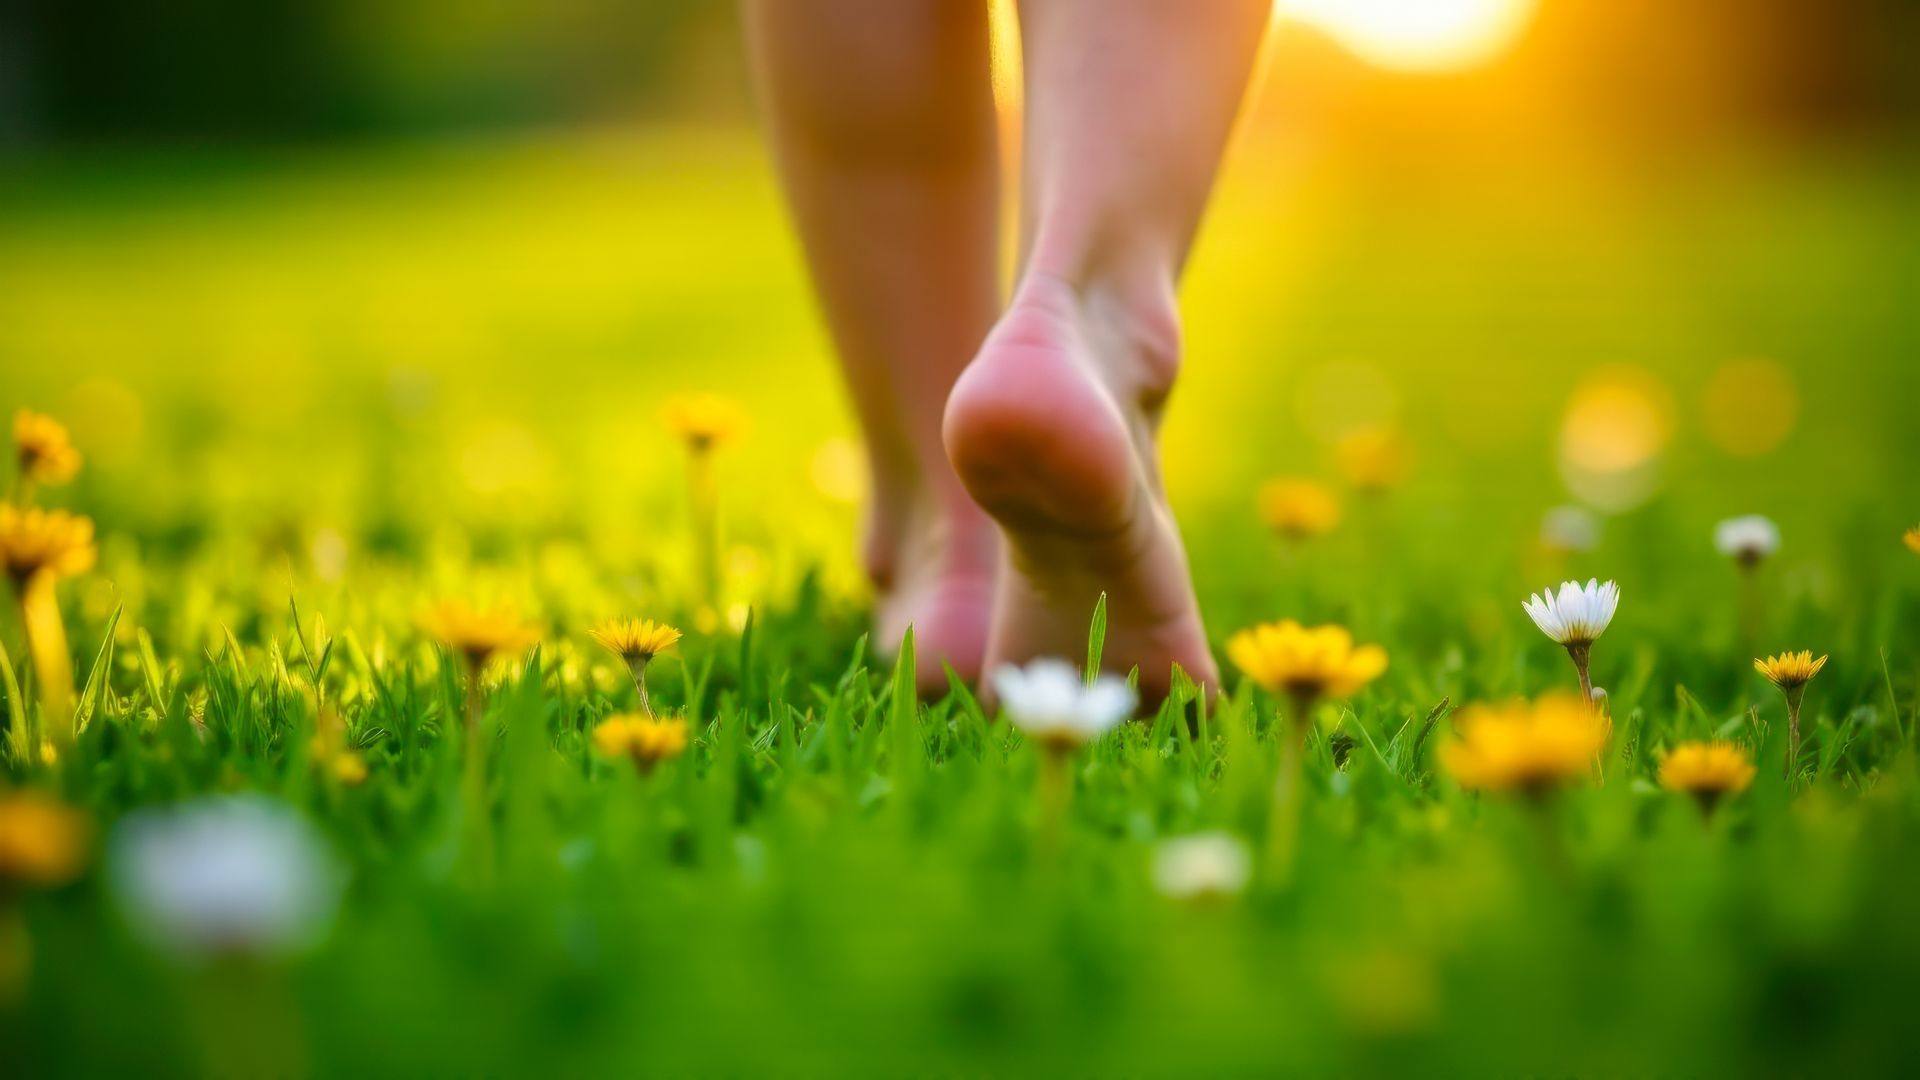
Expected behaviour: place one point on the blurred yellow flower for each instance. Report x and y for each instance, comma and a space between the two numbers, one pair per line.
645, 740
42, 842
45, 453
331, 753
44, 544
635, 639
1912, 539
1373, 460
478, 634
704, 421
1305, 662
1707, 770
1790, 671
1298, 509
1524, 746
348, 768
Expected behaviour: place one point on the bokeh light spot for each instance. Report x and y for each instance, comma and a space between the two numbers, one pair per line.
1417, 35
1617, 425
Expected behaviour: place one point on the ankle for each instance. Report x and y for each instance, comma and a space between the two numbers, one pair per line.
919, 527
1132, 315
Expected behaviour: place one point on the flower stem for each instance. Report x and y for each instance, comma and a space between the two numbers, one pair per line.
1580, 651
1793, 695
1056, 791
474, 777
637, 667
706, 523
52, 665
1283, 827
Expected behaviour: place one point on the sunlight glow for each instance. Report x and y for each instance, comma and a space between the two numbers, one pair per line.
1417, 35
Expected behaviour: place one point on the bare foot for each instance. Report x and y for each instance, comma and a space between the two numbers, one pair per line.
1052, 431
932, 568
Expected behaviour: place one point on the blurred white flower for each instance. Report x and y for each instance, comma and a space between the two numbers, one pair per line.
1570, 528
1203, 866
1051, 703
1577, 615
1747, 539
238, 873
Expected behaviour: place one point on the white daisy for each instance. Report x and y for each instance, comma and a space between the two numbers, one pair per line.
1747, 539
1577, 615
1051, 703
227, 874
1204, 866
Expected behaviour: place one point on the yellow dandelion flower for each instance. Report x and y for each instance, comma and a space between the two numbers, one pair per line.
1305, 662
1707, 770
42, 842
1790, 671
704, 421
643, 739
1912, 539
41, 446
1298, 509
476, 633
1524, 746
44, 544
635, 639
1373, 460
347, 768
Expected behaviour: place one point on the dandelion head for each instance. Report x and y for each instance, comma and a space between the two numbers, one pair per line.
1373, 459
42, 842
1912, 539
704, 421
1204, 866
44, 543
635, 639
223, 875
1524, 746
644, 740
1305, 662
1747, 540
1790, 670
45, 453
1049, 701
1707, 769
478, 633
1298, 509
1577, 614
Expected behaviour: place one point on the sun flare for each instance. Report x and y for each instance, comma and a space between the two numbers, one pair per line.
1417, 35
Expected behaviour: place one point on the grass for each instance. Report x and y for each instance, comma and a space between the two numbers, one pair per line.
369, 381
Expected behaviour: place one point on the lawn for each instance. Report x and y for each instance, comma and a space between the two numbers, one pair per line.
364, 381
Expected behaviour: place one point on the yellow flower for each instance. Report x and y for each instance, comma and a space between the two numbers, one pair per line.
34, 543
646, 740
1298, 509
41, 445
1524, 746
1912, 539
42, 842
1373, 460
704, 421
1305, 662
635, 639
1707, 770
478, 634
1790, 671
347, 767
331, 753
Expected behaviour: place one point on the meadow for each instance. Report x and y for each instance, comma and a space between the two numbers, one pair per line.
318, 393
